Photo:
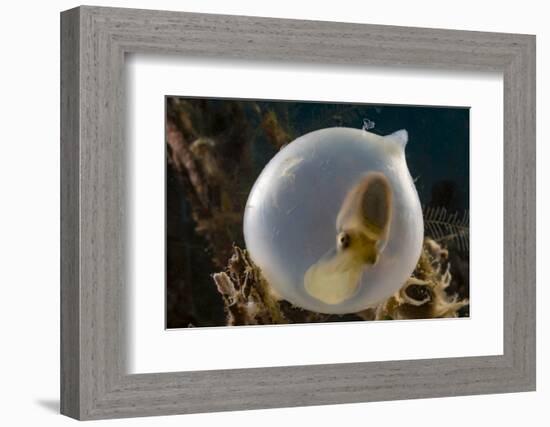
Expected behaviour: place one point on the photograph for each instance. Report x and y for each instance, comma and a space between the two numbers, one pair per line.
286, 212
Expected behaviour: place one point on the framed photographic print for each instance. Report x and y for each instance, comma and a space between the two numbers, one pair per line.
345, 212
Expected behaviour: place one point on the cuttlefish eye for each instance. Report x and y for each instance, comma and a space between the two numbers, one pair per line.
344, 240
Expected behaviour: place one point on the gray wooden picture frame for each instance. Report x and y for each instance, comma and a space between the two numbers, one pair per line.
94, 382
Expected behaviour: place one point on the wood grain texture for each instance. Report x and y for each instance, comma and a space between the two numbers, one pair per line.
94, 266
70, 334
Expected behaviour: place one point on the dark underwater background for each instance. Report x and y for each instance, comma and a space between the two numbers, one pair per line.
226, 143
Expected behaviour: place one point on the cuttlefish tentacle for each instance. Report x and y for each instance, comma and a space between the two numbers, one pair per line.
362, 227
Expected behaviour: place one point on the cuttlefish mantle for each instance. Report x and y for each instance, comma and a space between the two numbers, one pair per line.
362, 228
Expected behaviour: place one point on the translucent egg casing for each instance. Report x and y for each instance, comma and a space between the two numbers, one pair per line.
292, 210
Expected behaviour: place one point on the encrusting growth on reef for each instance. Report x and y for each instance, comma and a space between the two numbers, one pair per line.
246, 294
212, 150
248, 299
424, 295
